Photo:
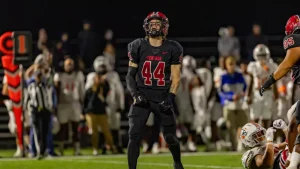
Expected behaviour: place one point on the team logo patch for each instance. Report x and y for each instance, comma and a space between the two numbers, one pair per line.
180, 58
129, 55
243, 133
288, 42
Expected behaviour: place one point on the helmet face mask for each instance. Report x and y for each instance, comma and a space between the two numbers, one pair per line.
156, 24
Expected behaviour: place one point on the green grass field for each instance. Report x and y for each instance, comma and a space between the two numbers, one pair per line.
220, 160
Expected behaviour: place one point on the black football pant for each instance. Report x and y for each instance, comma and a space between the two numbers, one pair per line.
138, 117
41, 123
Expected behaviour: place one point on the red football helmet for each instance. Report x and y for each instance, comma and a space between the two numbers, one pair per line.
164, 27
292, 24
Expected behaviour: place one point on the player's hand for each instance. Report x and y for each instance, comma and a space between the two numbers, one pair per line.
168, 104
270, 134
280, 124
261, 90
82, 117
139, 100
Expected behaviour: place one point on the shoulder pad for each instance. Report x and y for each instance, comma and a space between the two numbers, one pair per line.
177, 52
247, 158
291, 41
133, 50
251, 67
176, 45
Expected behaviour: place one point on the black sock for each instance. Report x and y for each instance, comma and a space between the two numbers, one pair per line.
133, 152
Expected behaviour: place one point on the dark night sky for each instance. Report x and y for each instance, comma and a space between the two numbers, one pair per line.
192, 18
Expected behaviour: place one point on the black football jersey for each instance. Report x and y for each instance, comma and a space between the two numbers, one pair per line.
154, 63
289, 42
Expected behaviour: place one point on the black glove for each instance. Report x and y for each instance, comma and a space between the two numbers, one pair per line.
169, 105
139, 99
268, 83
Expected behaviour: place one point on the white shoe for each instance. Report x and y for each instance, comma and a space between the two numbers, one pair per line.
30, 155
191, 146
18, 153
155, 148
95, 152
145, 147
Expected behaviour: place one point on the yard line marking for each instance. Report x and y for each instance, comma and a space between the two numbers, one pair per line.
151, 164
124, 156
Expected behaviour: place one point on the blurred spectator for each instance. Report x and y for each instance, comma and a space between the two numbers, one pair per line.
110, 53
232, 91
43, 44
254, 39
70, 88
58, 56
228, 44
88, 44
66, 45
108, 36
94, 105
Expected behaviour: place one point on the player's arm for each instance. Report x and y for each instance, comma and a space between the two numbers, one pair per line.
133, 48
292, 47
56, 80
81, 86
266, 160
177, 55
292, 56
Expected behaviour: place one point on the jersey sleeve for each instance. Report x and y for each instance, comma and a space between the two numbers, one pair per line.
247, 159
177, 53
291, 41
251, 67
133, 50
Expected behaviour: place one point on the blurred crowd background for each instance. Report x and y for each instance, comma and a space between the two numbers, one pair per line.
201, 102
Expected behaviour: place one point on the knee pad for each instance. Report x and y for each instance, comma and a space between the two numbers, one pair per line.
297, 141
171, 139
297, 112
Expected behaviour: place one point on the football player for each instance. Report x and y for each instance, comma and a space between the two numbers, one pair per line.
263, 154
260, 70
153, 62
291, 44
184, 102
70, 90
292, 135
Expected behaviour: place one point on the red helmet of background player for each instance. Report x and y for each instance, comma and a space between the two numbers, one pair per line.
292, 25
164, 25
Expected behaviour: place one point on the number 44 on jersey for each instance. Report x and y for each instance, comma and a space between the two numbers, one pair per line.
156, 74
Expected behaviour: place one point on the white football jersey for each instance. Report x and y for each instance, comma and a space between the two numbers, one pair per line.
71, 86
115, 98
249, 156
183, 98
90, 80
261, 73
206, 77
